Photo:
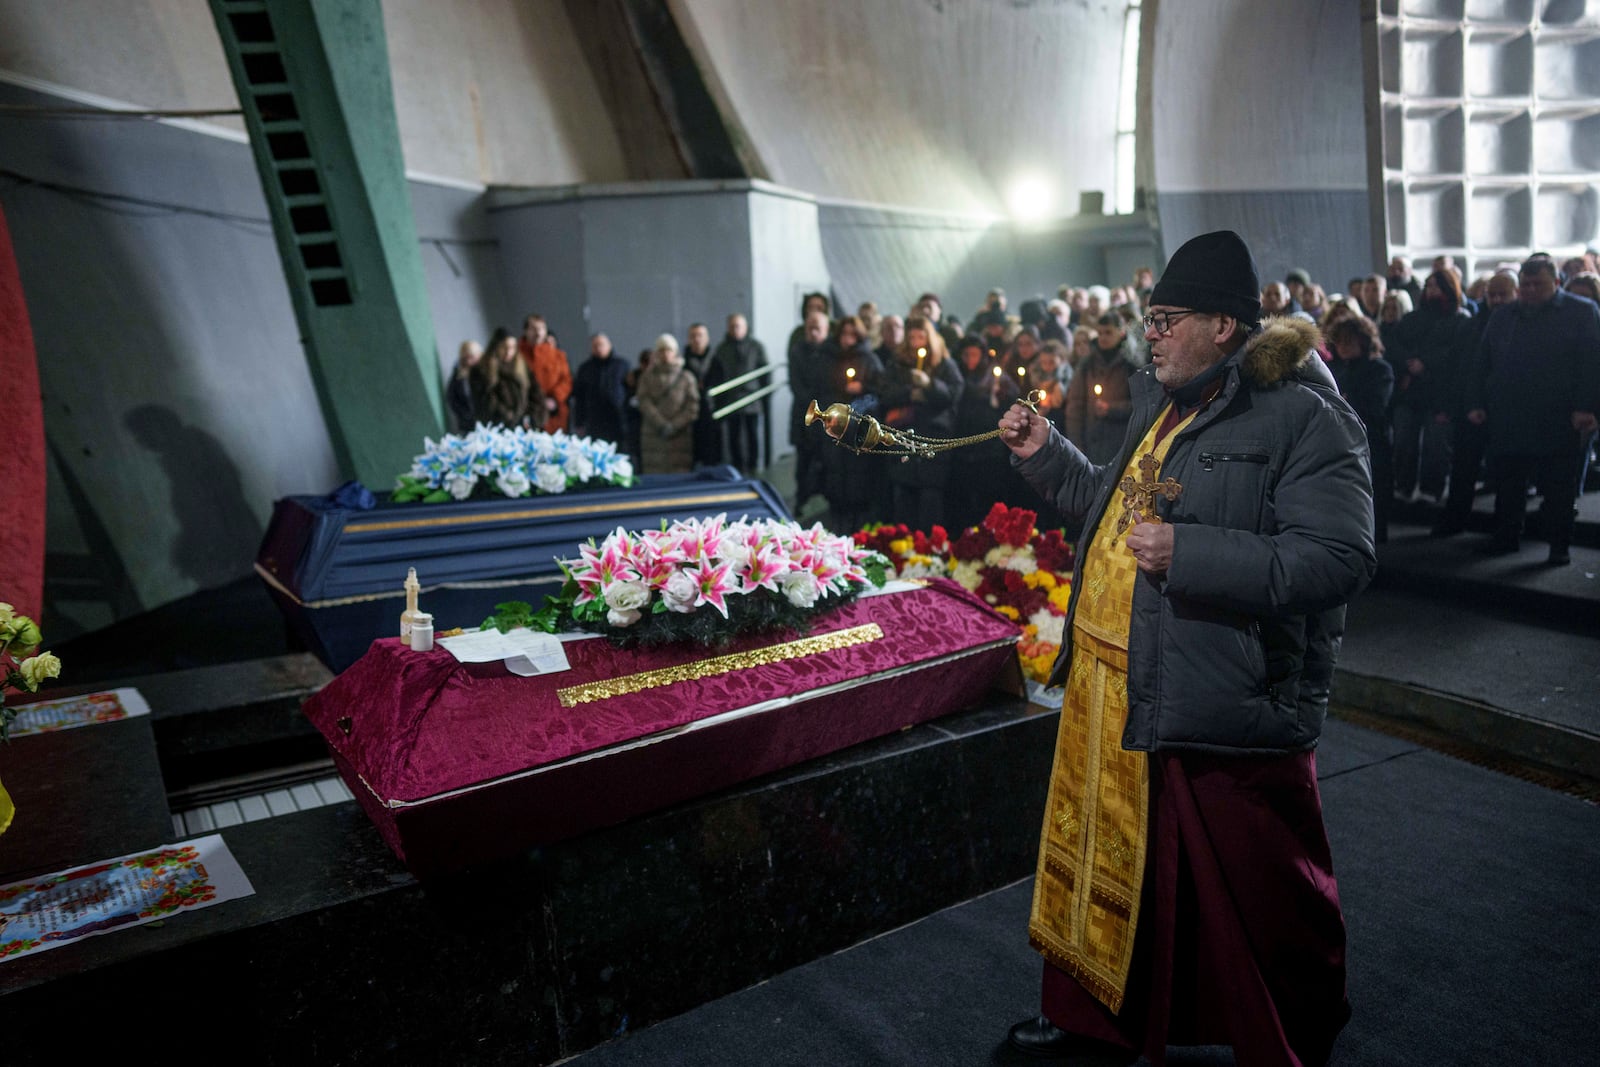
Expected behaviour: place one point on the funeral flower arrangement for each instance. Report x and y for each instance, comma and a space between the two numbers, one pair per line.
708, 580
22, 666
1020, 572
496, 460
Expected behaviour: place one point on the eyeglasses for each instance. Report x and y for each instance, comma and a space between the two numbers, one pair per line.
1161, 321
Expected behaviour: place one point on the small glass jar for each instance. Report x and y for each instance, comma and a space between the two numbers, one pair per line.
422, 632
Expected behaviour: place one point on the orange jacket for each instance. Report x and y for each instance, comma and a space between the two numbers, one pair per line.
554, 375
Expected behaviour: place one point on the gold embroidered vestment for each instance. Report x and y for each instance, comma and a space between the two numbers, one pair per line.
1092, 847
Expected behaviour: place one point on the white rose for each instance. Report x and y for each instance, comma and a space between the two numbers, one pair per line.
627, 596
622, 618
680, 592
579, 466
801, 588
622, 469
550, 478
460, 485
513, 484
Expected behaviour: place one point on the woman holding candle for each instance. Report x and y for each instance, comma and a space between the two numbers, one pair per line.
1098, 401
920, 390
854, 485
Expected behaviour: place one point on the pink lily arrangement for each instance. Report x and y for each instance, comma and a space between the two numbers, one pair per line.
709, 580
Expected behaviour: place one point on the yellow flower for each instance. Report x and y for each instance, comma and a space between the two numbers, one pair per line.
24, 635
1008, 611
902, 547
1030, 631
1060, 596
1040, 580
36, 669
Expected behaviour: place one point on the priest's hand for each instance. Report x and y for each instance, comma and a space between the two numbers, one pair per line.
1022, 431
1151, 545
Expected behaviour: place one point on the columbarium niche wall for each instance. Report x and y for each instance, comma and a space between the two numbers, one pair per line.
1488, 128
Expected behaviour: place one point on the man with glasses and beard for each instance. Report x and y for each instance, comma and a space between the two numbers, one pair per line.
1184, 891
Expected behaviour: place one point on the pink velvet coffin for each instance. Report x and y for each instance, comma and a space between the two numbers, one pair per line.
460, 763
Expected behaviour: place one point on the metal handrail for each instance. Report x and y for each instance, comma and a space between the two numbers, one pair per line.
740, 380
759, 394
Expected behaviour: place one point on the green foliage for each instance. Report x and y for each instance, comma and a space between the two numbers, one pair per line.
509, 616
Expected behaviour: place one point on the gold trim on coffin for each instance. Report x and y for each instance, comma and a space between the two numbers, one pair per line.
571, 696
576, 509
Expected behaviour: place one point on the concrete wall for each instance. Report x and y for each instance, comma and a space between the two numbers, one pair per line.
892, 256
1257, 125
178, 403
485, 91
923, 104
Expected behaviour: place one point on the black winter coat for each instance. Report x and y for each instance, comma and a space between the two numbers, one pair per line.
1232, 650
600, 398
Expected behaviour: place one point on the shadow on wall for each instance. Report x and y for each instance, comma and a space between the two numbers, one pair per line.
85, 589
205, 497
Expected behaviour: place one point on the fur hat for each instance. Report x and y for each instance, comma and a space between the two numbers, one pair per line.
1212, 272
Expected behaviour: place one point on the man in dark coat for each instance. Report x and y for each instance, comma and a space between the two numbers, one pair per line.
599, 394
1535, 383
1185, 890
697, 357
806, 365
739, 354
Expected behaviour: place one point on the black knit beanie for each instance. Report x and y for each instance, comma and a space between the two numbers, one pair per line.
1212, 272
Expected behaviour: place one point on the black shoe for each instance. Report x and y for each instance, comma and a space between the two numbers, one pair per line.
1042, 1038
1497, 546
1559, 557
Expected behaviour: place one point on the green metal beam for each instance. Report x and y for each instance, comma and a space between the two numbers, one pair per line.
313, 80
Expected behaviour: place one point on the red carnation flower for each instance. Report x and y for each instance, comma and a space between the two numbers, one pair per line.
973, 545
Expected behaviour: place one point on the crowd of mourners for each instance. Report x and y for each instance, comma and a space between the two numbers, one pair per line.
658, 409
1495, 382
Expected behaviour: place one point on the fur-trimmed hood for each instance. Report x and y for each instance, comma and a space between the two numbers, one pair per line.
1283, 347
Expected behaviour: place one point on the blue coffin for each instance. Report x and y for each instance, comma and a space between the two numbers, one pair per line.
337, 573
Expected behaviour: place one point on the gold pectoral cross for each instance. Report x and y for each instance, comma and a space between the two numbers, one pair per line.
1139, 496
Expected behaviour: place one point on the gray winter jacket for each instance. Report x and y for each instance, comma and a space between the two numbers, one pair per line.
1233, 649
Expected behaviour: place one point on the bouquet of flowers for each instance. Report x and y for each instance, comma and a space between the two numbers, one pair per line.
22, 665
511, 463
1021, 573
708, 580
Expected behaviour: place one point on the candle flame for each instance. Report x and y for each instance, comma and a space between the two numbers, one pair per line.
1022, 372
1097, 390
850, 372
997, 372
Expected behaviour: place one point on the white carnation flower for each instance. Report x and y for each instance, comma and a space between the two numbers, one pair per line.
1022, 563
460, 485
1051, 627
